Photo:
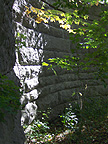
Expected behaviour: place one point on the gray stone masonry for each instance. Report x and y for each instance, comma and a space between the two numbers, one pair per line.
42, 88
11, 131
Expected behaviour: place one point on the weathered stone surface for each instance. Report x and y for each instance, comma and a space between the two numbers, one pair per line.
41, 86
7, 53
11, 131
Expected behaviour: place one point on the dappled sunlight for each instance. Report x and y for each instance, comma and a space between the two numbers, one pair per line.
27, 68
29, 57
38, 41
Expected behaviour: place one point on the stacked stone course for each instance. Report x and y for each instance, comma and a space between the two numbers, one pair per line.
42, 88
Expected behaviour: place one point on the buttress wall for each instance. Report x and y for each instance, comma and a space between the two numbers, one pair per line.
42, 88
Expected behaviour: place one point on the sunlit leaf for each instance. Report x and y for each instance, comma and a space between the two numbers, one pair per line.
45, 64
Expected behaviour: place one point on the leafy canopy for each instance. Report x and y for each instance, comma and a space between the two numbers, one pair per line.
73, 16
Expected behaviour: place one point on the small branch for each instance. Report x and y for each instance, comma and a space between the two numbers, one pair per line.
53, 6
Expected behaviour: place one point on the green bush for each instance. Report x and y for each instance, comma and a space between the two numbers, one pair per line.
93, 119
9, 96
69, 118
41, 131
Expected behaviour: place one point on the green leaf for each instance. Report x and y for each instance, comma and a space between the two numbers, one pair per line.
45, 64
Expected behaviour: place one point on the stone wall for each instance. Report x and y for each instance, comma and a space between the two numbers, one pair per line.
42, 88
11, 131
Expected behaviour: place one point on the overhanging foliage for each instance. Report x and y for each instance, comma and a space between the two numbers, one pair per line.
88, 34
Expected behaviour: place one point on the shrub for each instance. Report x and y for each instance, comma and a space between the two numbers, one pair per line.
9, 96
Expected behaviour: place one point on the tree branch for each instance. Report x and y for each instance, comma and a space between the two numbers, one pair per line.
53, 6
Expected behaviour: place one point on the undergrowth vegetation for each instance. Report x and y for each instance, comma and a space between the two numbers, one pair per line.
9, 97
76, 126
